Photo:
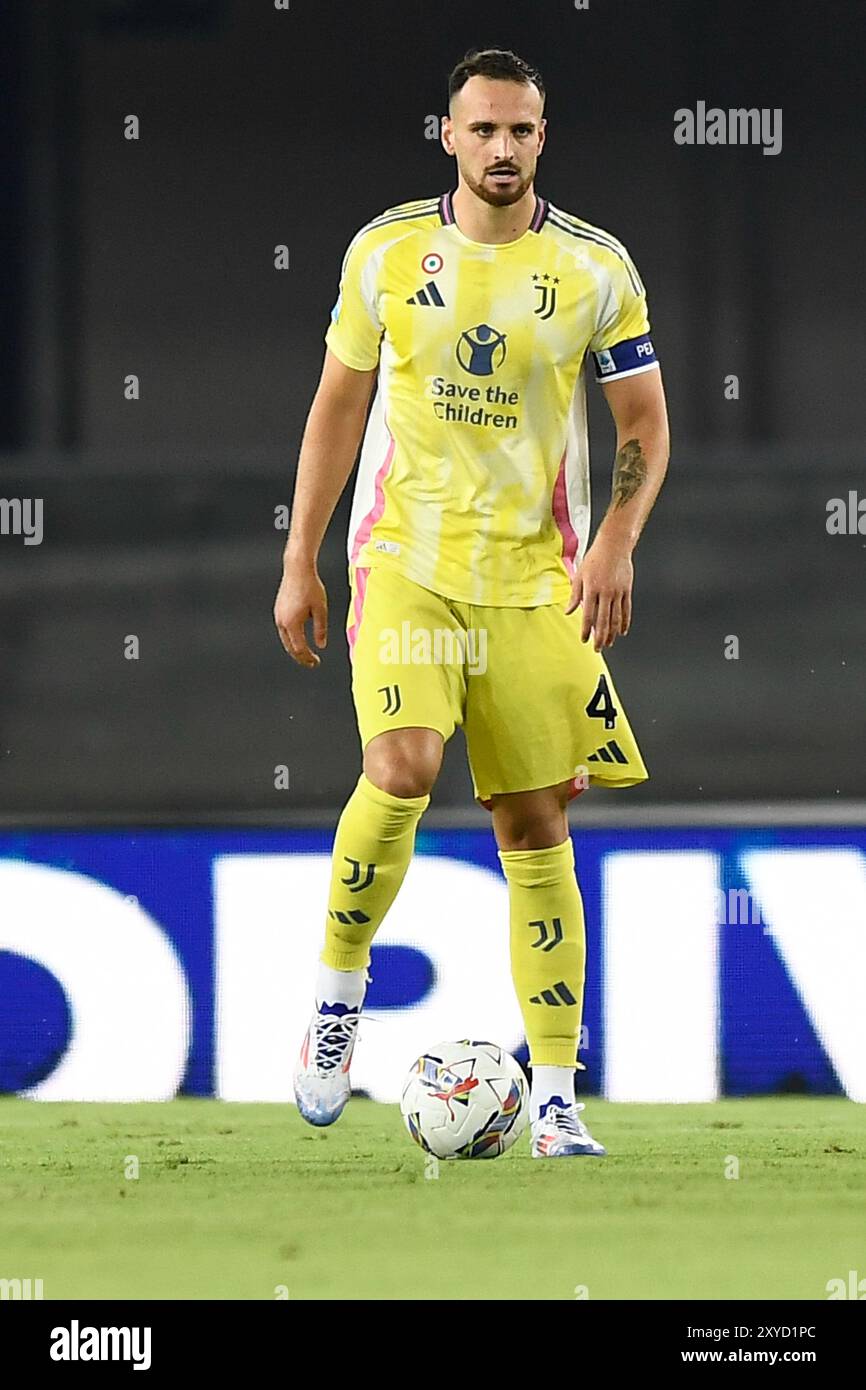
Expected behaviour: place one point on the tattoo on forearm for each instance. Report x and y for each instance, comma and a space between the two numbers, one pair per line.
629, 473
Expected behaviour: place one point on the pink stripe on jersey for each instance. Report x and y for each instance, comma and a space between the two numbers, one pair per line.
362, 535
360, 586
563, 520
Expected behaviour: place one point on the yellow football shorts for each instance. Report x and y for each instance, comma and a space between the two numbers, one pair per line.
537, 705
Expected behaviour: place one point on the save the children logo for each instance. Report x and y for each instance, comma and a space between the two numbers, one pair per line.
481, 350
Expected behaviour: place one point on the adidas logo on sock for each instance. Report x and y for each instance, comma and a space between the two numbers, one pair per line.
559, 994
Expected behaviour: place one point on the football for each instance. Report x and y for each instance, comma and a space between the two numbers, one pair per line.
465, 1100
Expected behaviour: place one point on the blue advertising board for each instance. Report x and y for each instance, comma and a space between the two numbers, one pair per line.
139, 964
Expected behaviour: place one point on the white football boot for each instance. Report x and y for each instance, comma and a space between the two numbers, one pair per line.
559, 1132
321, 1076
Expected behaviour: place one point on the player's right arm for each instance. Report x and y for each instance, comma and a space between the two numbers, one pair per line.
329, 447
328, 451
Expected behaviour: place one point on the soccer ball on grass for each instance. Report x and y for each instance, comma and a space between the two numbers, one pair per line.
465, 1100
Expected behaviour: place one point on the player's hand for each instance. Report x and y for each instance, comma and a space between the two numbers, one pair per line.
603, 585
301, 596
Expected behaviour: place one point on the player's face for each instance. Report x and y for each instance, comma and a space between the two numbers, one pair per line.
496, 132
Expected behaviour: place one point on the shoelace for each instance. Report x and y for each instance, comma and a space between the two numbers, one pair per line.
568, 1121
333, 1036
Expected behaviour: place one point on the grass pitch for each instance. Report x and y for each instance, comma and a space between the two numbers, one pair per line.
241, 1201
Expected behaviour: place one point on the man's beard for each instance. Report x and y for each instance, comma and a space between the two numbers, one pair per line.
498, 197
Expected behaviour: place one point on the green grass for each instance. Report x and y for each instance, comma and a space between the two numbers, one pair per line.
234, 1200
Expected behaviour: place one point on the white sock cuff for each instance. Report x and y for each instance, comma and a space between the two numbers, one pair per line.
341, 986
547, 1082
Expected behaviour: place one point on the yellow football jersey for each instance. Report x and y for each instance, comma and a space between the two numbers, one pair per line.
474, 471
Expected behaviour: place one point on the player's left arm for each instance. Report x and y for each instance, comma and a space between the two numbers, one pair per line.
604, 579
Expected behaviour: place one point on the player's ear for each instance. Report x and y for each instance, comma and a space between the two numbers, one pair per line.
446, 135
542, 133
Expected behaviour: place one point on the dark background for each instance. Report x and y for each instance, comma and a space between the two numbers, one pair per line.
261, 127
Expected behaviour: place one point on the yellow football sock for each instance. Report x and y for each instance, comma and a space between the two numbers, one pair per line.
372, 849
548, 949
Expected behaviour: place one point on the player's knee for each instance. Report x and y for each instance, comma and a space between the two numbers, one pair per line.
531, 833
531, 820
401, 776
404, 762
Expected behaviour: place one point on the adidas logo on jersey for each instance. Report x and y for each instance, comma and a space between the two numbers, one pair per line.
429, 295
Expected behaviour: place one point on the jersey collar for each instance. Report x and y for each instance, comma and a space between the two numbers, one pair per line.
447, 218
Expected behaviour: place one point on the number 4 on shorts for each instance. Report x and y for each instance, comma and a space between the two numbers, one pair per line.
601, 706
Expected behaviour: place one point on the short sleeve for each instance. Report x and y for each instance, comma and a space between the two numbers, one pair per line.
354, 332
621, 343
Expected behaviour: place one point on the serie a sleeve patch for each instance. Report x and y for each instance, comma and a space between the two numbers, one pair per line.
625, 358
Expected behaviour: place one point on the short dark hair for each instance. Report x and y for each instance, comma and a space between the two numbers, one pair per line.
493, 62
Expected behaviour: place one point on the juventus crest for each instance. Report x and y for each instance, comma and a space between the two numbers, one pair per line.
545, 286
